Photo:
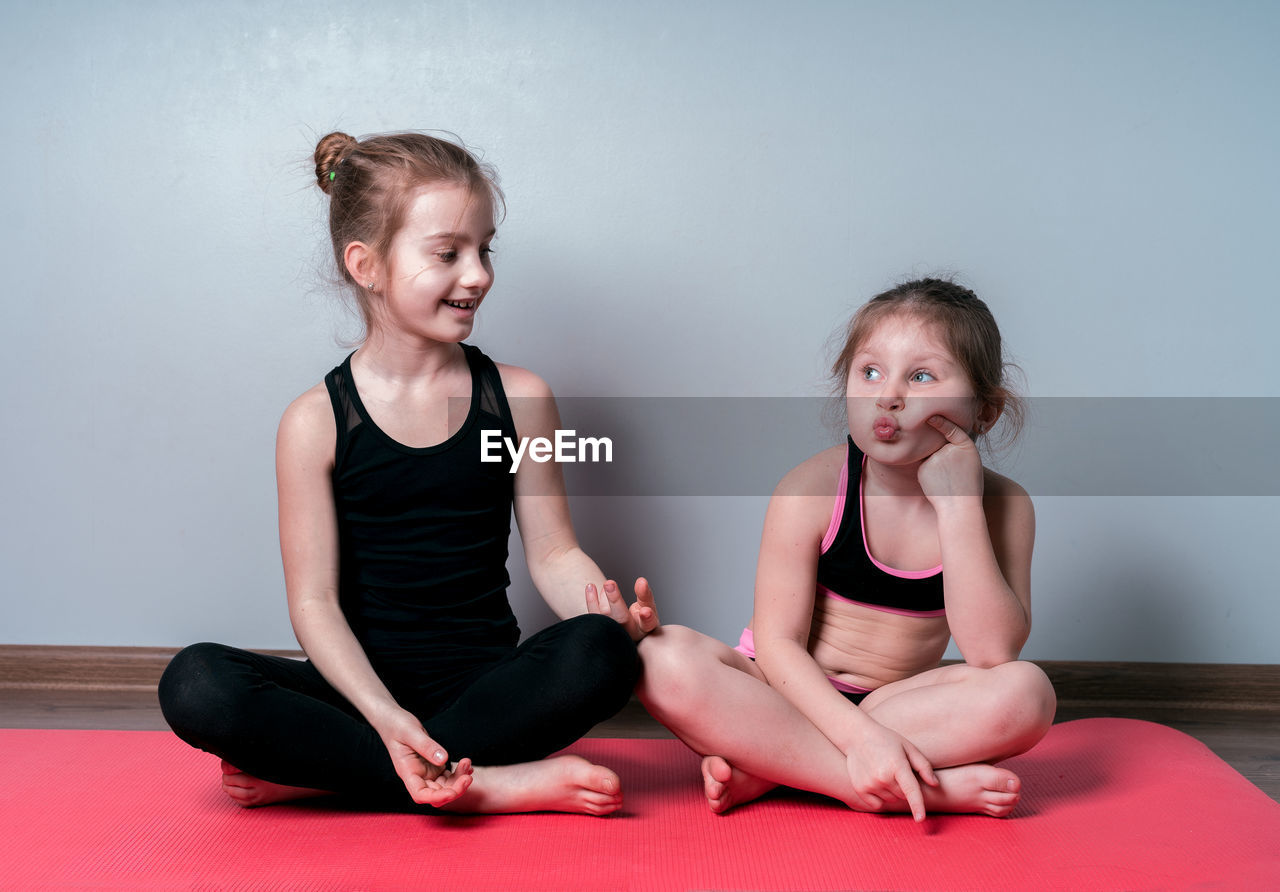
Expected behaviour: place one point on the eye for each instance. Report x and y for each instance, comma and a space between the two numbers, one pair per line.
922, 378
869, 374
447, 256
486, 251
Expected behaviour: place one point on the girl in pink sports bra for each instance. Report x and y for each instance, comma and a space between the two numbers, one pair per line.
875, 554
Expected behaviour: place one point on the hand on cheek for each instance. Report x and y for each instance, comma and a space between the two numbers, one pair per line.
955, 469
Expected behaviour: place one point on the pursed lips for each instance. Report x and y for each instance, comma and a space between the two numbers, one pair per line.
885, 428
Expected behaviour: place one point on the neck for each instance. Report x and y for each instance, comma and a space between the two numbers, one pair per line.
397, 357
892, 480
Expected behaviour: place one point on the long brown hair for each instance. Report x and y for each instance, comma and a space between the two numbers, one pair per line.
966, 326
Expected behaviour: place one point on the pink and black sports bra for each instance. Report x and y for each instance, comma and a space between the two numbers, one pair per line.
848, 572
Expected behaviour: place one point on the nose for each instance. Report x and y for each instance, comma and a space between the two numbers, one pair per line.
477, 274
890, 398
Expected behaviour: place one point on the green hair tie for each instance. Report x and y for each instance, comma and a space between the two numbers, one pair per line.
332, 175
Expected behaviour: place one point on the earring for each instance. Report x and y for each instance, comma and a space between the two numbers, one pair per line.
369, 285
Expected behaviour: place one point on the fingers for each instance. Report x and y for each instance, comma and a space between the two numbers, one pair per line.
415, 782
617, 605
428, 749
447, 787
645, 609
949, 429
640, 618
923, 768
415, 772
599, 601
594, 603
417, 758
646, 618
644, 594
910, 788
609, 602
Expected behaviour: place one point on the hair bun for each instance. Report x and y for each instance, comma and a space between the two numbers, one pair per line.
330, 152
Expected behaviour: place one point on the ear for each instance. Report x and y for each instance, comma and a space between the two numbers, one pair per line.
989, 414
362, 265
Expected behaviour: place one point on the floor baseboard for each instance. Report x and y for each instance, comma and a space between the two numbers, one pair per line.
69, 668
1196, 685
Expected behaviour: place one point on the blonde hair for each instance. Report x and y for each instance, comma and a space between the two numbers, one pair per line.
371, 183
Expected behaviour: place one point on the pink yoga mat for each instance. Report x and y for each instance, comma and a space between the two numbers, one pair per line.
1108, 804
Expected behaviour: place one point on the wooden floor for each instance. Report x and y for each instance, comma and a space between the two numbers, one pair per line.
1247, 738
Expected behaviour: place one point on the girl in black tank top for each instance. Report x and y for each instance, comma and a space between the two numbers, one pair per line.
418, 692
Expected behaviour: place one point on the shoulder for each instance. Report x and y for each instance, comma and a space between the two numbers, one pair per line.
518, 382
802, 501
1006, 503
818, 475
1001, 487
307, 426
533, 406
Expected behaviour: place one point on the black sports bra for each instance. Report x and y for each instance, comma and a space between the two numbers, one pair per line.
848, 572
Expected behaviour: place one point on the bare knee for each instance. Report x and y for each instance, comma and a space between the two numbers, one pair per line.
1029, 685
667, 653
1024, 703
675, 662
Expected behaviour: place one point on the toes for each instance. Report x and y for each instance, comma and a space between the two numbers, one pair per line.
716, 768
601, 809
715, 795
606, 782
240, 796
600, 802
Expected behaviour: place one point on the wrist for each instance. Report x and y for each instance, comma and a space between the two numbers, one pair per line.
958, 509
385, 716
853, 729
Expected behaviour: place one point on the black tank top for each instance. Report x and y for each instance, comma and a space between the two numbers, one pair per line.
423, 539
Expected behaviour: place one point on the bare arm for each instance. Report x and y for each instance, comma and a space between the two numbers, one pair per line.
567, 578
986, 529
882, 764
309, 549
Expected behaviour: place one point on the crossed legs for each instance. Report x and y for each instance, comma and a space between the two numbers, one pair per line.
284, 733
962, 718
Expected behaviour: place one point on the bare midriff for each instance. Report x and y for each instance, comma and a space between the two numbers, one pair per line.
869, 648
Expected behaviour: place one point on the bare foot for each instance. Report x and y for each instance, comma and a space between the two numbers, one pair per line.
726, 786
563, 783
974, 789
964, 789
249, 791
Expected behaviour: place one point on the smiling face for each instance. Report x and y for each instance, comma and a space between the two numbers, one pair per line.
438, 267
900, 375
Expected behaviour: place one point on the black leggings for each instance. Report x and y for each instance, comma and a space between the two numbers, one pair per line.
279, 720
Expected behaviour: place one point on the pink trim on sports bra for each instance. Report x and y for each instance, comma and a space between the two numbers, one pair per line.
862, 522
747, 647
838, 511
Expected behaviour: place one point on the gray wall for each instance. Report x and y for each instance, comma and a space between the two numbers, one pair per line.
699, 194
